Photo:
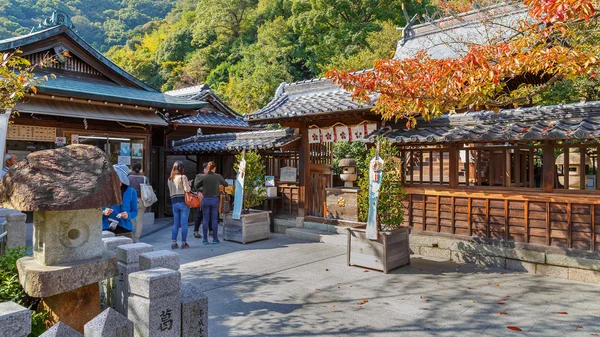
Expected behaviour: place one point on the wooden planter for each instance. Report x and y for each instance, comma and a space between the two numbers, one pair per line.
249, 228
389, 252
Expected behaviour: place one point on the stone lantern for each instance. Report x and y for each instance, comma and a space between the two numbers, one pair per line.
349, 174
342, 202
66, 189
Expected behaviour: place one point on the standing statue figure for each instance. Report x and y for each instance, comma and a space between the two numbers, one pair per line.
375, 177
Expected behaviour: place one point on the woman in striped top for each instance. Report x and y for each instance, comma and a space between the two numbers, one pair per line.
178, 185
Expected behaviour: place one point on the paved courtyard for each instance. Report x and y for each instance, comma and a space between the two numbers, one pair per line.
283, 287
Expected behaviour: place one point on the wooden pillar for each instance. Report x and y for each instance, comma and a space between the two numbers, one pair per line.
548, 166
304, 173
453, 167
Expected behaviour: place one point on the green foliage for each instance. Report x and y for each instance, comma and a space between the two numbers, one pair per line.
584, 88
11, 289
102, 23
355, 150
17, 79
244, 49
390, 213
254, 179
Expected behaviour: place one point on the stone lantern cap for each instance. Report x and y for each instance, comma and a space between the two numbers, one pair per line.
69, 178
347, 162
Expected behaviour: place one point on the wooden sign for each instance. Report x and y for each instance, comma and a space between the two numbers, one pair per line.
32, 133
287, 174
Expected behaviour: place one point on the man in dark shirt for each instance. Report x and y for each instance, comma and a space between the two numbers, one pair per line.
198, 219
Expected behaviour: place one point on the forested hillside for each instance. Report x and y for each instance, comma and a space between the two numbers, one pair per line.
103, 23
245, 48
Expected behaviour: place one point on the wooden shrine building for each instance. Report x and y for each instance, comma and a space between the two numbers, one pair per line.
91, 101
323, 112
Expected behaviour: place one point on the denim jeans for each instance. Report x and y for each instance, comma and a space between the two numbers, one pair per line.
210, 215
181, 212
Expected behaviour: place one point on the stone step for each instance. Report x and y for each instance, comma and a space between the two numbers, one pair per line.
313, 235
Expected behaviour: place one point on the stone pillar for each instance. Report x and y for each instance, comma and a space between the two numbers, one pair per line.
107, 234
129, 257
109, 324
17, 231
108, 286
73, 308
155, 302
60, 329
194, 312
15, 320
159, 259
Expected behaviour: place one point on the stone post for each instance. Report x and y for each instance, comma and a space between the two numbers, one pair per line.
109, 324
129, 257
108, 286
155, 302
15, 320
159, 259
60, 329
107, 234
194, 312
17, 231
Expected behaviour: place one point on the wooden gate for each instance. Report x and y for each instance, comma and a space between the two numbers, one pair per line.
321, 177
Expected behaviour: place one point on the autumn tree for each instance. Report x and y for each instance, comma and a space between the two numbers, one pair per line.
556, 41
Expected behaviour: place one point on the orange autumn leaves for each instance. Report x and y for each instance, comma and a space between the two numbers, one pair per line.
484, 76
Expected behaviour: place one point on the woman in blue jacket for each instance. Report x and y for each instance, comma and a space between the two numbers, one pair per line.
125, 212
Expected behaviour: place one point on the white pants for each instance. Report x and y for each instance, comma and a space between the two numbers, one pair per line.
138, 223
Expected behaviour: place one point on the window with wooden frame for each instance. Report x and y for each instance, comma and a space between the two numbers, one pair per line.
576, 166
496, 165
426, 166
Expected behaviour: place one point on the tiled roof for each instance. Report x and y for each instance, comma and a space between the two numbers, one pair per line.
105, 90
224, 116
451, 36
84, 87
569, 121
189, 92
254, 140
312, 97
214, 118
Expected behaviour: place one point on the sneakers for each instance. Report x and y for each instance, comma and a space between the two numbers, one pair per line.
197, 235
215, 242
204, 242
185, 245
174, 245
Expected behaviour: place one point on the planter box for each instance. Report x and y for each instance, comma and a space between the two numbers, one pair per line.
389, 252
249, 228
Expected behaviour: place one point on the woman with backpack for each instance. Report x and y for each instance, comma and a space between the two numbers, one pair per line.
136, 179
178, 185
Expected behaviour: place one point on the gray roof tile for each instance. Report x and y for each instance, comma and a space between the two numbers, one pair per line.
450, 37
214, 118
311, 97
569, 121
254, 140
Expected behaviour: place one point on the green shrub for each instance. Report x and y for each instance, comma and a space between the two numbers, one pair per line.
254, 180
390, 212
11, 289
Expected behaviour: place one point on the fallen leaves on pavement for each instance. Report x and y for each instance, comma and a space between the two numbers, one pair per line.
513, 328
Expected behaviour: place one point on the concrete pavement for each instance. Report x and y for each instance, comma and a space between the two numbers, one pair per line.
284, 287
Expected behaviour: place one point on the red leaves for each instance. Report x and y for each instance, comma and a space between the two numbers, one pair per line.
513, 328
364, 301
502, 313
562, 313
500, 303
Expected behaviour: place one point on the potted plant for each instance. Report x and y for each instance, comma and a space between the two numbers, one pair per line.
391, 249
252, 225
